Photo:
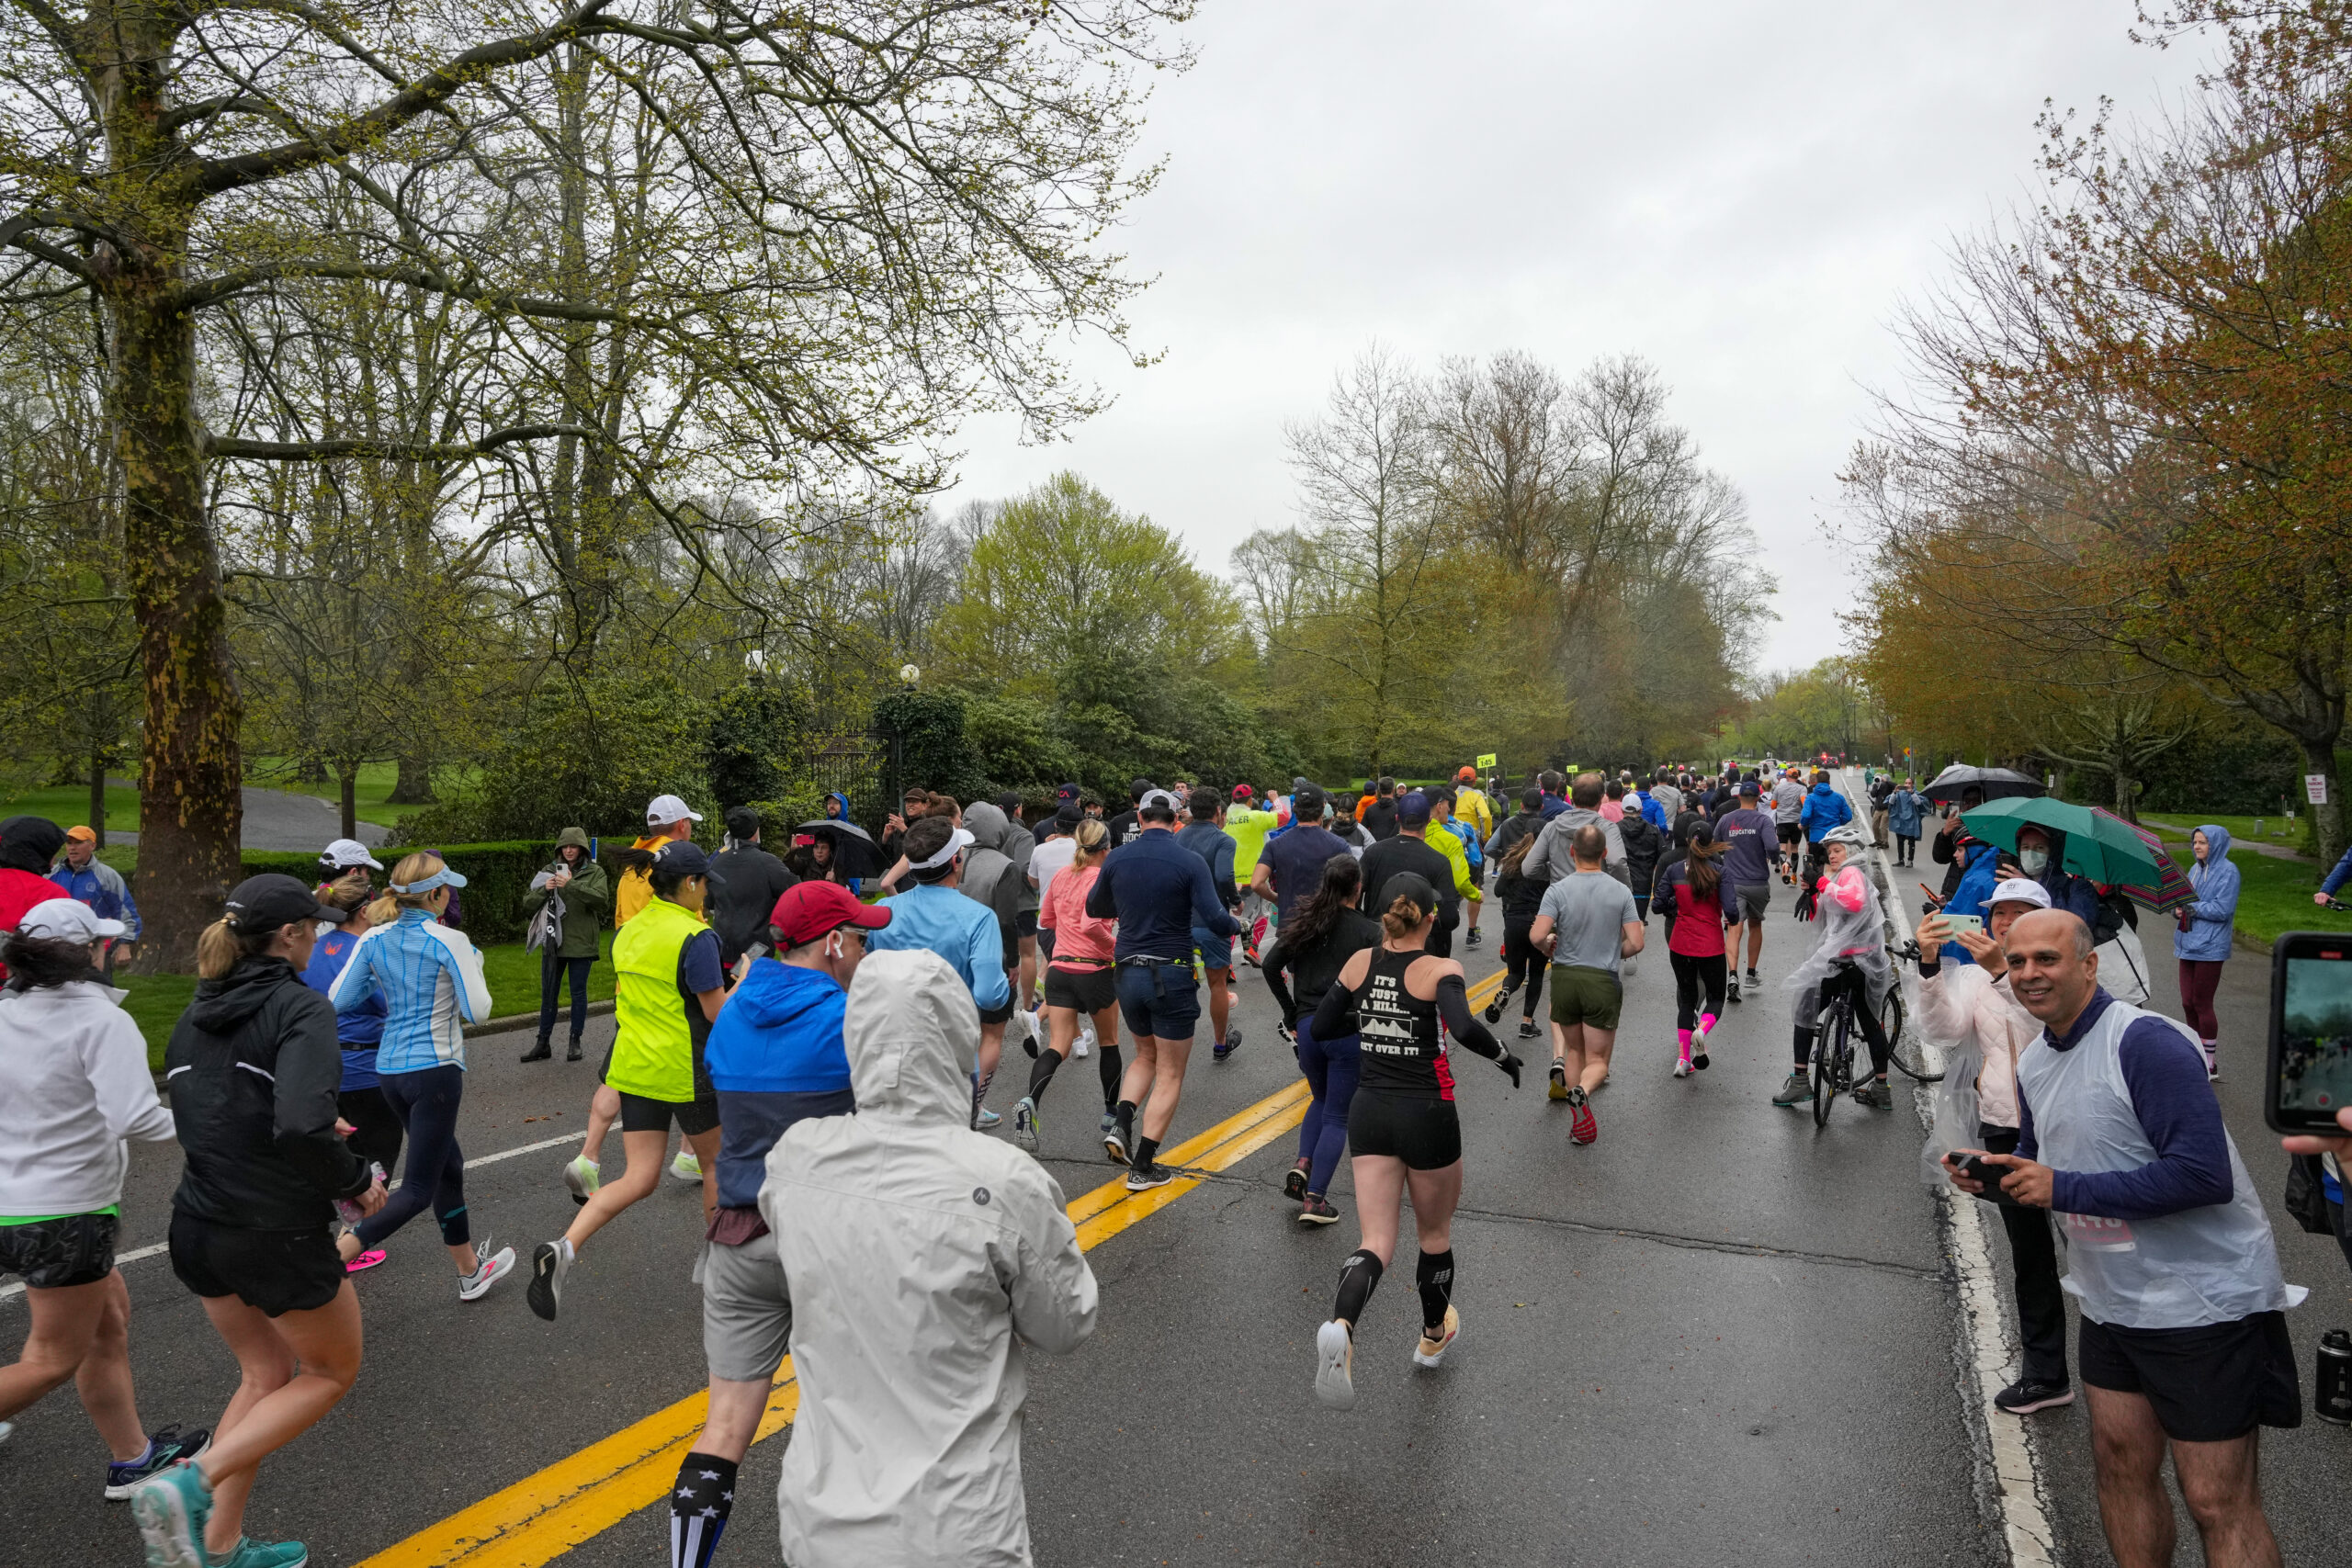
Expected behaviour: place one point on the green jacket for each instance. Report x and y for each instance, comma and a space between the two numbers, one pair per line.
585, 904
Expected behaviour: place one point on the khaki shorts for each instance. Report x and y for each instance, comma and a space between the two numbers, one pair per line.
746, 1311
1584, 995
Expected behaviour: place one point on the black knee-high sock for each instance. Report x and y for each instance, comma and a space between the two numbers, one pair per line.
699, 1504
1434, 1275
1041, 1072
1111, 1069
1358, 1277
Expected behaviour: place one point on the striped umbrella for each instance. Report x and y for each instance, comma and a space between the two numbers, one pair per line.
2174, 890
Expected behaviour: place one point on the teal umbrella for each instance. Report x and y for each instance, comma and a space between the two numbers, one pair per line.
2100, 847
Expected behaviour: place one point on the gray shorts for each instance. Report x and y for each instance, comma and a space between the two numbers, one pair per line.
1755, 897
746, 1313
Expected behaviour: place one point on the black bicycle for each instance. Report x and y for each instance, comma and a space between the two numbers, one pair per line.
1833, 1045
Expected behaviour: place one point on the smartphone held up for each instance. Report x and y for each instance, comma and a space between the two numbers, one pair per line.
2310, 1074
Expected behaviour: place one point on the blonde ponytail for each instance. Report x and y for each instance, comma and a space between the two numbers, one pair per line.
220, 949
421, 866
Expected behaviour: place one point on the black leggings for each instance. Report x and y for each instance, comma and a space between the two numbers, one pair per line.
428, 1101
1850, 979
1693, 972
1522, 964
376, 1126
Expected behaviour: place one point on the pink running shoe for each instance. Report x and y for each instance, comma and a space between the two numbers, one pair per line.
365, 1260
1582, 1128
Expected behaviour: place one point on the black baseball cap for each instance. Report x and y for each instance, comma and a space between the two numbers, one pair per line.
260, 905
742, 822
1410, 885
1307, 803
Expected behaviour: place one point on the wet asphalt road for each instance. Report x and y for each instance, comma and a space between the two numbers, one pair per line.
1714, 1336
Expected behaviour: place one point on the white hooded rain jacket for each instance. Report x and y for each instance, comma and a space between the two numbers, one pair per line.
922, 1256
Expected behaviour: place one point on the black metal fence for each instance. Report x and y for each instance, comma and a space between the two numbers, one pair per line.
864, 767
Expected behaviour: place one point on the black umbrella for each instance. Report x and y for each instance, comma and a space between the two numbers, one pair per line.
1996, 783
854, 853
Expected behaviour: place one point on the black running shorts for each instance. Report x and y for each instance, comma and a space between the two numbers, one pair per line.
694, 1117
1425, 1133
55, 1254
1082, 990
274, 1271
2207, 1386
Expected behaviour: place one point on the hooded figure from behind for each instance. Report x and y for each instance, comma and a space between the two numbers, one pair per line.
923, 1257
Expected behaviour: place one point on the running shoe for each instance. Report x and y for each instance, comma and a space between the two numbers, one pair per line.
1288, 1035
1294, 1181
1796, 1089
1874, 1093
1629, 967
1731, 990
1335, 1359
1582, 1128
252, 1553
1085, 1046
367, 1260
1495, 1008
984, 1119
1699, 1055
488, 1269
170, 1508
548, 1266
584, 1176
1527, 1030
1432, 1349
1682, 1066
2029, 1395
1474, 936
7, 1431
166, 1446
1318, 1211
1752, 981
687, 1168
1152, 1176
1228, 1046
1025, 1124
1115, 1142
1559, 1080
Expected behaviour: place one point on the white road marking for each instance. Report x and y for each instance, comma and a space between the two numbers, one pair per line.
1983, 1321
136, 1254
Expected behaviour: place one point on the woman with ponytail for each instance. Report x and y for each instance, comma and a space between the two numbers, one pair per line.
1697, 904
1401, 1126
1325, 929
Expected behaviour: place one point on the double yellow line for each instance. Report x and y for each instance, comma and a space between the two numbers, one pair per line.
579, 1497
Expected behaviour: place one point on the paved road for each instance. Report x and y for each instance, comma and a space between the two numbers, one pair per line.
1716, 1334
283, 819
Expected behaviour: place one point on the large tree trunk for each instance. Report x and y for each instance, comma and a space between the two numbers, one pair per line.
415, 786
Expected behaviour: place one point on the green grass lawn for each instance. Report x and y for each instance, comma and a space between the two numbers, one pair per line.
2276, 830
156, 1001
69, 804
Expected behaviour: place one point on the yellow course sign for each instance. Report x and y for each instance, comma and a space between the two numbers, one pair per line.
1486, 759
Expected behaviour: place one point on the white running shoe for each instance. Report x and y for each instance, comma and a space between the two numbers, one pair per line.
687, 1168
488, 1269
583, 1177
1428, 1352
1086, 1039
1629, 967
1682, 1066
1335, 1356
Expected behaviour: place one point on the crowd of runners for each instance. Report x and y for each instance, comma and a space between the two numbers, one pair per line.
824, 1046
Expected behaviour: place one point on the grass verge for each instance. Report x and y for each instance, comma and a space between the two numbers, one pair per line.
2274, 895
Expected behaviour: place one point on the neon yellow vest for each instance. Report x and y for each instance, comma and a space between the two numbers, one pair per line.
653, 1047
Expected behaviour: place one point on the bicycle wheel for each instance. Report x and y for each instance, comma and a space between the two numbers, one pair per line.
1825, 1056
1909, 1053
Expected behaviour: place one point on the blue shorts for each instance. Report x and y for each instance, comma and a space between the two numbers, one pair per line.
1216, 951
1159, 999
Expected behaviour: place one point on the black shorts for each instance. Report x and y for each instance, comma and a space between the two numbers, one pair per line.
54, 1255
1425, 1133
2207, 1386
1027, 922
694, 1117
274, 1271
1790, 831
1082, 991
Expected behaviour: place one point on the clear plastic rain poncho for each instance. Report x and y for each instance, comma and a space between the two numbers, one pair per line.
1851, 928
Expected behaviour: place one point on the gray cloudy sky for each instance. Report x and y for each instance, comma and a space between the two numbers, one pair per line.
1741, 193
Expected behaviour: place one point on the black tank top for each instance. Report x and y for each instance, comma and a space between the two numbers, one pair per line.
1402, 1044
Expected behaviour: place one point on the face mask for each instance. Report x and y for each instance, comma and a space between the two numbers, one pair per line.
2033, 860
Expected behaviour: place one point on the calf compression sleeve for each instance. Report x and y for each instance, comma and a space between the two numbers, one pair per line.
1041, 1072
1359, 1276
1111, 1069
1434, 1275
699, 1504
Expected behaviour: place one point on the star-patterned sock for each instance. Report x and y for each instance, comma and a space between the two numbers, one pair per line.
699, 1508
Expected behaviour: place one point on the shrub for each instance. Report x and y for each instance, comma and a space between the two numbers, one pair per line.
934, 750
757, 742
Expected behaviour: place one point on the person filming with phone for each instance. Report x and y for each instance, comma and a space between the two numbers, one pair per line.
2184, 1334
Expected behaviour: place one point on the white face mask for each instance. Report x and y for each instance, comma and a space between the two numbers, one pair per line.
2033, 860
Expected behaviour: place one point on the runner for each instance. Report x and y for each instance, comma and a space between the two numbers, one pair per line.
1586, 924
933, 913
1522, 898
1053, 856
1081, 982
74, 1084
1467, 852
430, 980
252, 1065
668, 987
1249, 827
1646, 850
1474, 818
1402, 1127
1378, 813
745, 883
990, 877
1205, 836
1159, 892
1290, 869
1851, 955
1788, 808
376, 1132
1825, 808
1696, 902
1324, 931
1126, 824
1749, 837
26, 846
1410, 851
775, 1058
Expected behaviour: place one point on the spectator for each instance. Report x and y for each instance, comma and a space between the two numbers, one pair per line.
912, 807
1972, 1005
912, 1241
1906, 810
74, 1084
86, 877
2202, 942
1952, 838
745, 883
576, 888
2184, 1333
26, 846
1881, 788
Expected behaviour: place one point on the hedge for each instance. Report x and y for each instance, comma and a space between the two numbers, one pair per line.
497, 875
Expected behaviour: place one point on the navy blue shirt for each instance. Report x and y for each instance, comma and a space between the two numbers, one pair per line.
1158, 890
2166, 1077
1297, 859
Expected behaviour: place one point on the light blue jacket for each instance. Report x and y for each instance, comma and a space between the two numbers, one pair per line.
431, 980
1905, 810
2215, 914
960, 930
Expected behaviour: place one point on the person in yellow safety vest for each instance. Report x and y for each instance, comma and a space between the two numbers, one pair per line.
668, 985
667, 821
1247, 827
1471, 806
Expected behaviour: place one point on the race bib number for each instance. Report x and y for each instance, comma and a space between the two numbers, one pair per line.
2098, 1233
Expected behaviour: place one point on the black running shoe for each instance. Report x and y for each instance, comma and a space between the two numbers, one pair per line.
1527, 1029
2029, 1395
1318, 1211
1144, 1178
1731, 992
1294, 1182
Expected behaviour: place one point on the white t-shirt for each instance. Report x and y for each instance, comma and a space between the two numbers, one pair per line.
1053, 856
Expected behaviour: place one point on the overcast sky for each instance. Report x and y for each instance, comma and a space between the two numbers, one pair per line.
1740, 193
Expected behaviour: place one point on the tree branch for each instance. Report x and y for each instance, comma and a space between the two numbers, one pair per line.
321, 451
207, 292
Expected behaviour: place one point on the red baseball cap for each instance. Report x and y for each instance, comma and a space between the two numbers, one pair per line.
808, 909
1243, 791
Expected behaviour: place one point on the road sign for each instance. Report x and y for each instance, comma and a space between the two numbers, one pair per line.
1486, 758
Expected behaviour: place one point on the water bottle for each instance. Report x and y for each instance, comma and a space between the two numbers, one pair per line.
349, 1210
2332, 1380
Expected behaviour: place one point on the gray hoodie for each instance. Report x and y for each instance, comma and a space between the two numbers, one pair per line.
990, 875
1549, 861
925, 1258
